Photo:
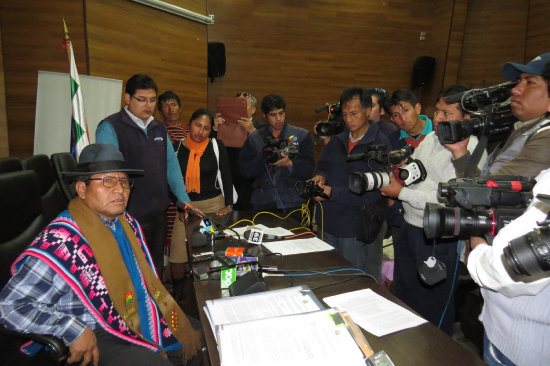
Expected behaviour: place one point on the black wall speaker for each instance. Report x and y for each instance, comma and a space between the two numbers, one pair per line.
423, 71
216, 60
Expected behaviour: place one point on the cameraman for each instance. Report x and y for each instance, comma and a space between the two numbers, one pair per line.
516, 327
526, 152
412, 247
274, 184
516, 315
339, 215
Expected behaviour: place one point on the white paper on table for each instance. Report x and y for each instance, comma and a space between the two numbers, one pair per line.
297, 246
278, 231
310, 339
374, 313
261, 305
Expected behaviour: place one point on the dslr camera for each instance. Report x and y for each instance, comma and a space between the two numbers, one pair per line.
274, 147
490, 110
529, 254
477, 207
334, 123
308, 189
411, 172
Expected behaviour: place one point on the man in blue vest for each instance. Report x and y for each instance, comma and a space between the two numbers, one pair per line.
144, 142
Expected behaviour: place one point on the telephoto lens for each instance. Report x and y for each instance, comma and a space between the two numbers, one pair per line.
366, 182
529, 254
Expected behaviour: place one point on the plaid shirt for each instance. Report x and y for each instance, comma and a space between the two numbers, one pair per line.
37, 300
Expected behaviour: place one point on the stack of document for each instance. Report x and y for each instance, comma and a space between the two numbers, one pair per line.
281, 327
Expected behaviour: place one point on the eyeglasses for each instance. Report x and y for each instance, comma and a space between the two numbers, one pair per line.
110, 182
143, 100
243, 94
380, 91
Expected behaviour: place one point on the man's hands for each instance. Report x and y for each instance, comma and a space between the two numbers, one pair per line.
186, 207
393, 189
224, 211
320, 181
476, 240
244, 122
285, 162
458, 149
84, 349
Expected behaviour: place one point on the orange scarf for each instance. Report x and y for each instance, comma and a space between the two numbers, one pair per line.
193, 173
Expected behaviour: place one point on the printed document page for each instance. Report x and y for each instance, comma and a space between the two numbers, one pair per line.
278, 231
297, 246
269, 304
374, 313
318, 338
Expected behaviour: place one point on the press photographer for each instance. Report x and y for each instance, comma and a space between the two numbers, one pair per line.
477, 207
410, 172
289, 150
340, 214
515, 327
334, 123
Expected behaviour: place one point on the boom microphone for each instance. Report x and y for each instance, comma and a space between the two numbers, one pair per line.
324, 107
455, 98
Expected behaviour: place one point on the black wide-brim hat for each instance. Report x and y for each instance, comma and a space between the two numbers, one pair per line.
101, 158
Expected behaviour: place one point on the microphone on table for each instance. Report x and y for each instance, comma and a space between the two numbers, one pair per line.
199, 238
265, 237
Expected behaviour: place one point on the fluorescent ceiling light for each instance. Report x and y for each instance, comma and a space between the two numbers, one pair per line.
173, 9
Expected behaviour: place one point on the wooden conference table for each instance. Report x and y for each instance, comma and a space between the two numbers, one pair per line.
422, 345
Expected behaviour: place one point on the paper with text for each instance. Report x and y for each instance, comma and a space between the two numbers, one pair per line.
297, 246
374, 313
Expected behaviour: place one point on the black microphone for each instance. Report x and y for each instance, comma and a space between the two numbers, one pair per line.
198, 239
265, 237
455, 98
322, 108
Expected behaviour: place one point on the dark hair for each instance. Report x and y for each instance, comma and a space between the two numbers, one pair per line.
271, 102
546, 75
247, 95
380, 94
355, 91
400, 95
83, 178
202, 112
452, 90
140, 82
167, 96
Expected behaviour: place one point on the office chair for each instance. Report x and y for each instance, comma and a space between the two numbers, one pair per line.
64, 162
10, 164
21, 219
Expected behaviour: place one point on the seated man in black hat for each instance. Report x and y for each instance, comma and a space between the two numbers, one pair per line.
88, 278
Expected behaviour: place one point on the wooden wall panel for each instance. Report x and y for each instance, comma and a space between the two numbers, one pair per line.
456, 39
4, 144
495, 33
538, 30
126, 38
32, 34
310, 51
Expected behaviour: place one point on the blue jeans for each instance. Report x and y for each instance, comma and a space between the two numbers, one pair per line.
492, 355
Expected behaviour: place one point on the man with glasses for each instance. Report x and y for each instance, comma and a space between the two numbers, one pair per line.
145, 144
88, 278
243, 185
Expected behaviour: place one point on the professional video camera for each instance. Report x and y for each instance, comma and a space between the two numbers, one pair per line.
274, 147
411, 172
334, 123
307, 190
471, 206
529, 254
490, 112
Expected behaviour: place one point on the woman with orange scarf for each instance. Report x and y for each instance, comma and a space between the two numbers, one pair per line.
199, 166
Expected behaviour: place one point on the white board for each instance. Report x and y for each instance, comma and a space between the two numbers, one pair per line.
52, 128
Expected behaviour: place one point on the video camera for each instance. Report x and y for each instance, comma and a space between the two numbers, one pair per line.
490, 110
529, 254
308, 189
471, 206
411, 172
274, 147
334, 123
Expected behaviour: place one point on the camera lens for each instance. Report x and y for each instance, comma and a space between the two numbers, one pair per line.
441, 222
375, 180
529, 254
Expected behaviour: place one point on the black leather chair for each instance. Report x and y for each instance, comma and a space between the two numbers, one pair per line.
21, 219
10, 164
65, 162
53, 200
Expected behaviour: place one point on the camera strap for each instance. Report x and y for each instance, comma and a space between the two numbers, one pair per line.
476, 155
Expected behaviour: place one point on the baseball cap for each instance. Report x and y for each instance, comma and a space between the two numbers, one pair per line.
512, 70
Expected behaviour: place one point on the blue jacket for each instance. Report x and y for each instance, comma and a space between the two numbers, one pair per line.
341, 210
274, 187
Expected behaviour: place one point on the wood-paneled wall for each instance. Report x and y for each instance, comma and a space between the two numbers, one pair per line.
123, 38
308, 51
4, 144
